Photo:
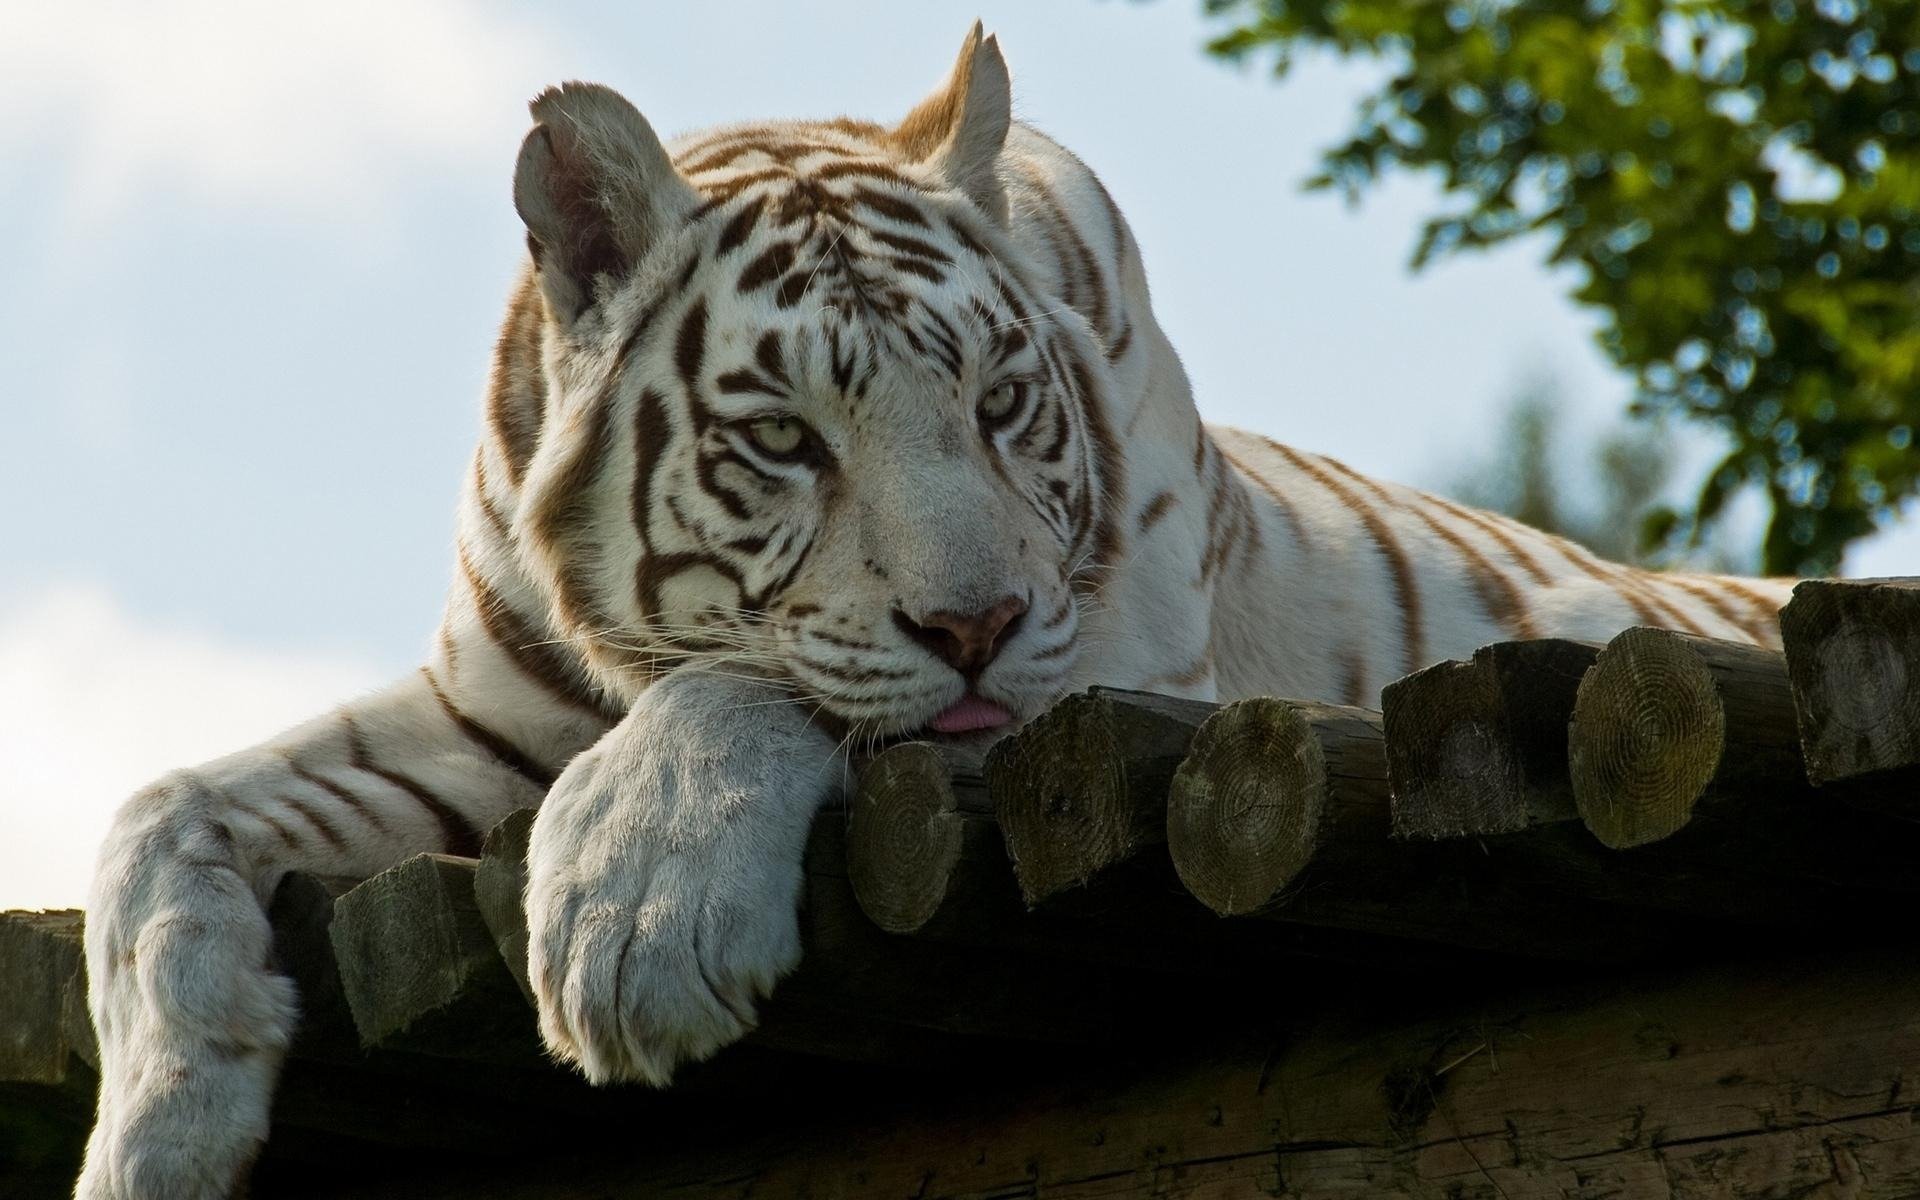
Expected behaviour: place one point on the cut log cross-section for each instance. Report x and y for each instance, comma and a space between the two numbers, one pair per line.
1853, 656
1083, 788
1480, 747
1269, 787
1668, 722
923, 850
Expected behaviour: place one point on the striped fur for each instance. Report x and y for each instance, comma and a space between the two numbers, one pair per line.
667, 630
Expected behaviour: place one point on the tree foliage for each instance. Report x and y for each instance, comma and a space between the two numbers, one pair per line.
1740, 180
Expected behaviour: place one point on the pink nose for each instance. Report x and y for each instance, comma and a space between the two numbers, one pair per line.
965, 642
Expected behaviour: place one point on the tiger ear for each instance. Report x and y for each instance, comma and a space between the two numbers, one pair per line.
960, 129
595, 188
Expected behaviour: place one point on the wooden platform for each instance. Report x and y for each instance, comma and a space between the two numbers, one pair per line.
1563, 921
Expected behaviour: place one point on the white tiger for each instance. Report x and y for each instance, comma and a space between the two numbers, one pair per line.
800, 435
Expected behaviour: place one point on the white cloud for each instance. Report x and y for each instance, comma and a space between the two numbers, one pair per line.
312, 106
94, 703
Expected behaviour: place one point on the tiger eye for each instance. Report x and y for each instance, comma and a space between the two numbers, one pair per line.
778, 436
999, 404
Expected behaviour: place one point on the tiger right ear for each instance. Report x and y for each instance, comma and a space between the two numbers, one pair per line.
595, 188
961, 128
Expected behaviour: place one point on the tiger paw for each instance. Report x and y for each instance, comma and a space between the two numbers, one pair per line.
663, 887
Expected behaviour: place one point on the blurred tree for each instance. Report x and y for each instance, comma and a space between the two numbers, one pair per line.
1740, 179
1602, 498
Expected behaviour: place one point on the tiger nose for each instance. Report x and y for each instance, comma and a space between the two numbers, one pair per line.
965, 642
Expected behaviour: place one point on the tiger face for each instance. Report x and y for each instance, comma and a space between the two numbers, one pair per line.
808, 417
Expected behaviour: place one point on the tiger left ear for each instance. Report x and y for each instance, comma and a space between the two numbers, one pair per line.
961, 128
595, 188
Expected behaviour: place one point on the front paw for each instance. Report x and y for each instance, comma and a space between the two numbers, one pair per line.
657, 960
663, 881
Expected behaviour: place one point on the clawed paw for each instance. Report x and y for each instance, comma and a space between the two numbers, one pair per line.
636, 976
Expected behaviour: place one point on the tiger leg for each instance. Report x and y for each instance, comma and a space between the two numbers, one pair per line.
664, 875
193, 1019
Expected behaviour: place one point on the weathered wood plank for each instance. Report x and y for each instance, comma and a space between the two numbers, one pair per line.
1853, 657
1774, 1078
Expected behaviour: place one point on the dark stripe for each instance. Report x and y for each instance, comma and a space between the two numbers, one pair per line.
328, 833
493, 742
1279, 498
1699, 590
339, 793
889, 207
690, 345
1413, 633
739, 226
558, 674
744, 382
514, 414
910, 246
457, 836
1486, 524
286, 835
766, 356
769, 265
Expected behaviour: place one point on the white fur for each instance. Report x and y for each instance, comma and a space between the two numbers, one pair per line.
664, 872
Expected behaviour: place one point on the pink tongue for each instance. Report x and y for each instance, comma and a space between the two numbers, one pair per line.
969, 713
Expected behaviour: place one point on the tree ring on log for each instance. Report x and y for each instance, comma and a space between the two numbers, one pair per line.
1646, 738
1243, 812
1060, 793
903, 818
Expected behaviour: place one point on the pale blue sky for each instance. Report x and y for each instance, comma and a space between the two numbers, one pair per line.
254, 256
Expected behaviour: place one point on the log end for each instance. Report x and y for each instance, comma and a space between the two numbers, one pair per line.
1646, 738
499, 889
1059, 792
1244, 809
904, 839
1447, 755
1848, 645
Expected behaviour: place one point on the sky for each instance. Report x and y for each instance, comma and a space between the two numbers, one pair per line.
254, 256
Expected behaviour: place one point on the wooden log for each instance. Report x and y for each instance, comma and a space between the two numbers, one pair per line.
47, 1053
1083, 788
1281, 812
499, 889
924, 853
43, 997
1269, 787
1853, 659
927, 860
420, 970
1668, 722
1480, 747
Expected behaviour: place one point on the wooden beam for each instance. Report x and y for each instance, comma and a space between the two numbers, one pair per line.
927, 861
1083, 788
1281, 811
1780, 1077
1480, 747
1668, 722
1853, 658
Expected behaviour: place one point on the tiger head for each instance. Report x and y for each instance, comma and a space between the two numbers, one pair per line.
807, 414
